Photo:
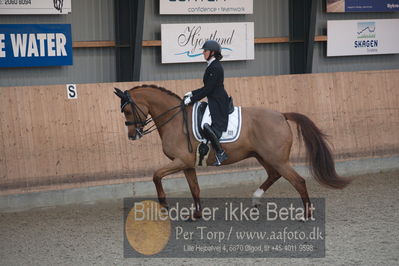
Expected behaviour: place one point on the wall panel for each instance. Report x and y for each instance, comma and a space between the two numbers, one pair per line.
49, 142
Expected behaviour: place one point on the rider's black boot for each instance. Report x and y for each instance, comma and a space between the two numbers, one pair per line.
219, 152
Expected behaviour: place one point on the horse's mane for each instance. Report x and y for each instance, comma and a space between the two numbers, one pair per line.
159, 88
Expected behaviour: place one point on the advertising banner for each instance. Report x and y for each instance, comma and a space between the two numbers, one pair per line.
170, 7
362, 37
25, 45
181, 43
26, 7
340, 6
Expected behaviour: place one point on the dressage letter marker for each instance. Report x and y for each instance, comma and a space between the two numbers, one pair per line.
72, 91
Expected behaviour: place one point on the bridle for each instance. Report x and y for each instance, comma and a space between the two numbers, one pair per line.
138, 113
140, 124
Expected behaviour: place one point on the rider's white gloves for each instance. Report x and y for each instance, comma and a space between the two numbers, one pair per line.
187, 100
188, 94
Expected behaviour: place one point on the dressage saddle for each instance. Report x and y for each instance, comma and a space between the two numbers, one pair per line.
201, 110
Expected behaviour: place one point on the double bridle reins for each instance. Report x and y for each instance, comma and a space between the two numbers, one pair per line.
140, 124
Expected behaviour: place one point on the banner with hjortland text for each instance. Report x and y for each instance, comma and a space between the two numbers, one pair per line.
182, 43
26, 45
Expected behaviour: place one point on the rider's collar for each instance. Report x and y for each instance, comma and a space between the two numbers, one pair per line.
211, 60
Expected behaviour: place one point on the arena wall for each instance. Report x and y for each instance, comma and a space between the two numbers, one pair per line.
48, 142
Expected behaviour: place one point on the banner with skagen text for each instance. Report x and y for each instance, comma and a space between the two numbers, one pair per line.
26, 7
205, 7
181, 43
362, 37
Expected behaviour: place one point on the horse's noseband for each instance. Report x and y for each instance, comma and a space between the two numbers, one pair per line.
133, 123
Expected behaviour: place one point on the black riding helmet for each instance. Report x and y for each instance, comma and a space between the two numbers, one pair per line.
212, 45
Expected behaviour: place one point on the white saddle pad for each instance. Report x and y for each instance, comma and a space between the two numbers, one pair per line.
233, 129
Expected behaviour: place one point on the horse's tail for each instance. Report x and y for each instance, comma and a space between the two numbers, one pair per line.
319, 155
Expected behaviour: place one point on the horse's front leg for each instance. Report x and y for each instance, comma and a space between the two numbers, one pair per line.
175, 166
192, 180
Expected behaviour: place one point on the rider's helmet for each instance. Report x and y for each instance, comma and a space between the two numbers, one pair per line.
212, 45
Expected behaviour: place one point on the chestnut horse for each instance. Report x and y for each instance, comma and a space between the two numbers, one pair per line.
265, 135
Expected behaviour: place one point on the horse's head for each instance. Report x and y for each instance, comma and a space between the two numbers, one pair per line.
135, 113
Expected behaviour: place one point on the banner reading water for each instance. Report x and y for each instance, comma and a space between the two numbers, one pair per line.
25, 45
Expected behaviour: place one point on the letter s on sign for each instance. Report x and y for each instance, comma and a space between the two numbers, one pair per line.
72, 91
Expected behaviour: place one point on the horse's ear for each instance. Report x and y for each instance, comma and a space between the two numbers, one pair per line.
119, 93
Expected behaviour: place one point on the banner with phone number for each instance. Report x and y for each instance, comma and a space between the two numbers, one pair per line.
22, 7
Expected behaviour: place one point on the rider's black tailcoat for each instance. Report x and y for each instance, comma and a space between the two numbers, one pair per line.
218, 99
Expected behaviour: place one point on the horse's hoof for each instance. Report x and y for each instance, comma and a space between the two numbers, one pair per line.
304, 219
192, 219
197, 214
256, 202
163, 203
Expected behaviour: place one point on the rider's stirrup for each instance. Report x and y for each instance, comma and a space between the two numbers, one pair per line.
219, 152
220, 157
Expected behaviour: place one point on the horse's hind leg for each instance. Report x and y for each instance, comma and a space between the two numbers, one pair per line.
272, 177
299, 184
272, 174
192, 180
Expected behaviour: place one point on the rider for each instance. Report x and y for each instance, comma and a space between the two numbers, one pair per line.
218, 100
